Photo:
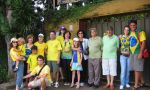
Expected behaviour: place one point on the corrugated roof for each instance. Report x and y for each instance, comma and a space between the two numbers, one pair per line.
118, 7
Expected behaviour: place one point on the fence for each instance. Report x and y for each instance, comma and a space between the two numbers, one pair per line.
118, 26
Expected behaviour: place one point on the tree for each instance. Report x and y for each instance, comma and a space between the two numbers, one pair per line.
17, 17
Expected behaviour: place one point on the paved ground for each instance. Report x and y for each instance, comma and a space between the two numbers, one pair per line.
86, 88
11, 86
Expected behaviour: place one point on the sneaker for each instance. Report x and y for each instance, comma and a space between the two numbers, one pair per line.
72, 85
90, 85
78, 86
121, 87
56, 85
96, 86
16, 69
66, 84
127, 85
82, 84
22, 86
50, 84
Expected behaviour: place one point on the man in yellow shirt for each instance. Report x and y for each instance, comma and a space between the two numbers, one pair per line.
137, 45
41, 45
44, 77
53, 56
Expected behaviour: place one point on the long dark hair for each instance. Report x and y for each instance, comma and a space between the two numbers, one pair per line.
66, 33
79, 32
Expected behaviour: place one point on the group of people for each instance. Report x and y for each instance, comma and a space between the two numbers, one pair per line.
62, 58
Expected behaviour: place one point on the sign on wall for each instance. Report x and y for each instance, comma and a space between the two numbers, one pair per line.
67, 1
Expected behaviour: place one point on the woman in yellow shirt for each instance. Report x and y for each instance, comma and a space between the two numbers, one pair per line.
15, 56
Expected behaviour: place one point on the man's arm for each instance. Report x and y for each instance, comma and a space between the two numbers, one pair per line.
27, 76
141, 49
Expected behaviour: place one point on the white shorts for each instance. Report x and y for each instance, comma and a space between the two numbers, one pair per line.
109, 67
37, 83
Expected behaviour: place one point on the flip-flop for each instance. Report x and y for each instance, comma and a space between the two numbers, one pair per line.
106, 86
142, 85
112, 87
135, 88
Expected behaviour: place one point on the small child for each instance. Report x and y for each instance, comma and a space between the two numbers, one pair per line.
32, 59
76, 63
21, 51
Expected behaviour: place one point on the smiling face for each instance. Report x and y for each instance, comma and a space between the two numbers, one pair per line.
67, 35
14, 43
52, 35
109, 32
40, 39
76, 44
93, 33
133, 26
20, 42
126, 30
30, 40
40, 61
80, 34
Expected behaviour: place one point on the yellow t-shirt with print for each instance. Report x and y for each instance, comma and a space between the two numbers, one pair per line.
41, 47
32, 61
45, 71
67, 49
135, 41
22, 50
60, 39
53, 50
14, 54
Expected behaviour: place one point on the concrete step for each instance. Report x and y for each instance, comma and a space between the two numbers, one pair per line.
8, 85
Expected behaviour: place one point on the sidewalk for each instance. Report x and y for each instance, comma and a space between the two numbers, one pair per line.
11, 86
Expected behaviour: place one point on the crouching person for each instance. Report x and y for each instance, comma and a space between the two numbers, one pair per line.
41, 74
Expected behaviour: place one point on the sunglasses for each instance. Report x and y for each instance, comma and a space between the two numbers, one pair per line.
14, 42
80, 33
39, 60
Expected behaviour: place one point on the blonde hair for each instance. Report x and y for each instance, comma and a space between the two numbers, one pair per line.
21, 39
30, 36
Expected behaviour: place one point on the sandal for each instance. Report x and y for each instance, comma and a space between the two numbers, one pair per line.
106, 86
142, 85
135, 88
112, 87
78, 85
72, 85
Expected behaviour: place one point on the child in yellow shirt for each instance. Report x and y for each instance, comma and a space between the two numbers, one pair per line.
32, 59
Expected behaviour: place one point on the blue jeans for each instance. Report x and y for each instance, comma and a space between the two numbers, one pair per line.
19, 79
125, 70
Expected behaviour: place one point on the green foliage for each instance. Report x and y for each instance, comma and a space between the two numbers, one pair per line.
3, 61
23, 16
3, 72
75, 13
4, 27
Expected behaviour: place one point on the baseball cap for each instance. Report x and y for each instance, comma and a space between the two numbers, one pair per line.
40, 35
13, 40
75, 39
